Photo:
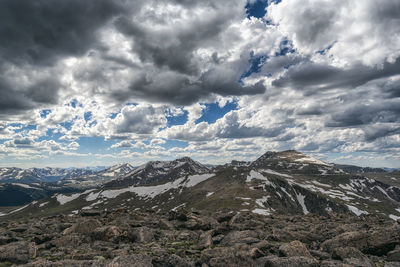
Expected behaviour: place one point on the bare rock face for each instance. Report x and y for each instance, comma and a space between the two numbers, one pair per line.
18, 252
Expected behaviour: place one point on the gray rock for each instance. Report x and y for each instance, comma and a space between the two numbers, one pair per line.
334, 263
18, 252
296, 261
205, 240
142, 234
131, 260
108, 233
394, 255
246, 237
352, 256
84, 227
294, 248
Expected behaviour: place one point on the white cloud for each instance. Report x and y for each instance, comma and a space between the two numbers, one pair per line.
365, 31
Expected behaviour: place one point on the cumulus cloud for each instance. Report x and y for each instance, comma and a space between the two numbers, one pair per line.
348, 31
313, 75
140, 119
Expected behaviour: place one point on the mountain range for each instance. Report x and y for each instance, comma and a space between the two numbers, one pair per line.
283, 209
287, 182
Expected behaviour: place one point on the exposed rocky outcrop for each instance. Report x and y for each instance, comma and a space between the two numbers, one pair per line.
196, 238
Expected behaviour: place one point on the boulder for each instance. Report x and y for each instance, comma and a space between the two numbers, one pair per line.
131, 260
84, 227
18, 252
88, 213
394, 255
246, 237
170, 260
378, 242
294, 248
352, 256
142, 235
108, 233
71, 240
348, 239
295, 261
205, 240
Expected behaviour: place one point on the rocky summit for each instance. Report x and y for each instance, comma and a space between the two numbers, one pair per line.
283, 209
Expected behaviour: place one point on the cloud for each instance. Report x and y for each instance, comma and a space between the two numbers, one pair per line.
347, 31
140, 119
311, 77
41, 32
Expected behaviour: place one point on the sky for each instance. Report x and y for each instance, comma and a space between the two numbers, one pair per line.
94, 83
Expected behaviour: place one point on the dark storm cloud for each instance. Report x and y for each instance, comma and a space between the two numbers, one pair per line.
312, 77
173, 48
391, 89
34, 36
12, 102
361, 114
44, 91
175, 88
41, 31
374, 132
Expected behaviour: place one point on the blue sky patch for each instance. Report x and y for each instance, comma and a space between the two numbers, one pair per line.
177, 120
257, 9
256, 63
213, 112
44, 113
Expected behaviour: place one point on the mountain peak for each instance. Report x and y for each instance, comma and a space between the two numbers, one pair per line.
160, 171
292, 156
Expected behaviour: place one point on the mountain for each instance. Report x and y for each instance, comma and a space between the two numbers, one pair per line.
17, 194
358, 169
283, 209
93, 179
13, 174
159, 172
37, 175
287, 182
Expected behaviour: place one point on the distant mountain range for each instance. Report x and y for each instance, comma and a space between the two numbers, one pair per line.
37, 175
287, 182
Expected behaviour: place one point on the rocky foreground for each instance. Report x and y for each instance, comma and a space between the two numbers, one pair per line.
193, 238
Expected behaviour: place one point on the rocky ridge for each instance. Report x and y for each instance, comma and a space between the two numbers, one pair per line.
195, 238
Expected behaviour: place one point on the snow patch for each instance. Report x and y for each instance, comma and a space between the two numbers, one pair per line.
177, 207
43, 204
264, 212
300, 199
63, 199
320, 184
260, 202
152, 191
4, 214
394, 217
209, 194
22, 185
309, 159
356, 211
